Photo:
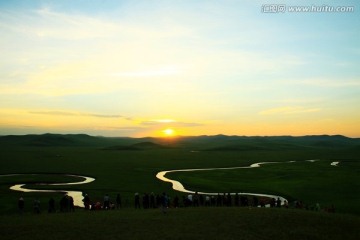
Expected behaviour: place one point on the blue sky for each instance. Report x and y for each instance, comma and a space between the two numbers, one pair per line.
135, 68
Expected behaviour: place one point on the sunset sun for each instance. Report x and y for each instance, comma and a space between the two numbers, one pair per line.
169, 132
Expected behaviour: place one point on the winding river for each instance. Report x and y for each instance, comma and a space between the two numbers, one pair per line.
176, 185
76, 195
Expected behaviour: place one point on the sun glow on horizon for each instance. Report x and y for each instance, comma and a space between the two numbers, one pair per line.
169, 132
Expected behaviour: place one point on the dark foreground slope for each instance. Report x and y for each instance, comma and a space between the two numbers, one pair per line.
191, 223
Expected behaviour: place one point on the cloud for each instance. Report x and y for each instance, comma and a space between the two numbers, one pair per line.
163, 71
94, 55
307, 100
56, 113
84, 50
289, 110
68, 113
166, 122
47, 24
118, 128
324, 82
105, 116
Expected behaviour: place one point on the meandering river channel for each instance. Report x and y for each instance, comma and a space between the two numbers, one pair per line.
76, 195
176, 185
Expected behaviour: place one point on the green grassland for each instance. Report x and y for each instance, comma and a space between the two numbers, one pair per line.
126, 166
190, 223
310, 182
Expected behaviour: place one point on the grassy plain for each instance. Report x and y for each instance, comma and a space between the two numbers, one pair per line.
130, 171
126, 167
190, 223
310, 182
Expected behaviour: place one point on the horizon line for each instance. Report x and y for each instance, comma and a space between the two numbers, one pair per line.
181, 136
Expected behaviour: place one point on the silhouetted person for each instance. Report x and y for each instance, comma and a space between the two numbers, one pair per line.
106, 202
98, 206
244, 201
51, 205
331, 209
278, 202
229, 200
158, 201
64, 204
118, 201
196, 199
201, 200
176, 202
317, 207
146, 201
137, 200
21, 205
190, 199
152, 200
86, 201
184, 201
212, 200
255, 201
37, 206
218, 200
236, 199
207, 200
299, 204
272, 202
71, 204
164, 202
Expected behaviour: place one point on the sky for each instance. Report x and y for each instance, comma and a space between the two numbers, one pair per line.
190, 67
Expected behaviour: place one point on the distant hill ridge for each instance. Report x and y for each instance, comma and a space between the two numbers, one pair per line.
138, 146
49, 139
210, 143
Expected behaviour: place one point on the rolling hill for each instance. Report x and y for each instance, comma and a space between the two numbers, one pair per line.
209, 143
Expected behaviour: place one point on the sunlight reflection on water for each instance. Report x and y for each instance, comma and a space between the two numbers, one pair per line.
76, 195
176, 185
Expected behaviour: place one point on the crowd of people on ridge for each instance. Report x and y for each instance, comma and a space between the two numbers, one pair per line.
164, 201
66, 204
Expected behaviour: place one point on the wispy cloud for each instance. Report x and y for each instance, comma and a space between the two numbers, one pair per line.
124, 129
289, 110
55, 113
68, 113
163, 71
174, 123
326, 82
300, 101
47, 24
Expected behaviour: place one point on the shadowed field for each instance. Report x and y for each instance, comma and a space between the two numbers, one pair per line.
190, 223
